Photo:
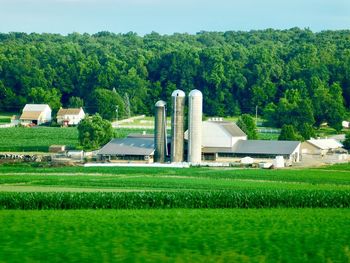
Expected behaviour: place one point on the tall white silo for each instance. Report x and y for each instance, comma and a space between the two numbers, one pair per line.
160, 136
177, 126
195, 99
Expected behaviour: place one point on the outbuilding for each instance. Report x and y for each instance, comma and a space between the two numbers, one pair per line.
322, 147
35, 114
258, 149
131, 149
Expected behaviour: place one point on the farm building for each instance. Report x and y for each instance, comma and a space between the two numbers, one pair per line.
35, 114
257, 149
225, 142
322, 147
70, 116
133, 148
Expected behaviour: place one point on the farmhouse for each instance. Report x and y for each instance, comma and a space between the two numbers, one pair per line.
136, 148
322, 147
35, 114
70, 116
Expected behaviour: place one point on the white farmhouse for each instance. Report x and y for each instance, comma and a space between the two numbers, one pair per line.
35, 114
70, 116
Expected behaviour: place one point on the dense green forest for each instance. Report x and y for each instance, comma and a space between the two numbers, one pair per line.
285, 73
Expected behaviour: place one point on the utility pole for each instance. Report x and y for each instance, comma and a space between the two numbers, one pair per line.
256, 115
116, 111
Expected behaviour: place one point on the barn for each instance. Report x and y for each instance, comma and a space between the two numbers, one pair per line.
35, 114
135, 148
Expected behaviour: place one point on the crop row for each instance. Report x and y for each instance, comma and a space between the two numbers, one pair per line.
177, 199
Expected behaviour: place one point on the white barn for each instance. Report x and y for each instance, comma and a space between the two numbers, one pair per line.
35, 114
70, 116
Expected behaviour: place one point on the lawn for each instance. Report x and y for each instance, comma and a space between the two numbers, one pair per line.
176, 235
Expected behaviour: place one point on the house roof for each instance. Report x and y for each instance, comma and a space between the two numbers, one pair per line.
69, 111
129, 146
265, 147
325, 144
30, 115
35, 107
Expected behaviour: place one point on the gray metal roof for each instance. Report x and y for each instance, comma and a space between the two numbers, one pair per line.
256, 147
265, 147
129, 146
231, 128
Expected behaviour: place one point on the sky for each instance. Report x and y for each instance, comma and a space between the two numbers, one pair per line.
168, 17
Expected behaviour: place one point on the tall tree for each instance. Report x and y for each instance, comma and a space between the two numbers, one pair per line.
247, 125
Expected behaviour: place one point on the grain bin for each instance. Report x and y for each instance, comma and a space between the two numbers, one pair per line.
160, 136
195, 101
177, 126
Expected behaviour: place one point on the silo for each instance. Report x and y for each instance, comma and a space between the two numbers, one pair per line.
177, 125
195, 101
160, 132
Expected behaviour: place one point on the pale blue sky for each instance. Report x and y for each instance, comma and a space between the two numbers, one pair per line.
167, 17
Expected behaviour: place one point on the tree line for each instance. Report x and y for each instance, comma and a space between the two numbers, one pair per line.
293, 77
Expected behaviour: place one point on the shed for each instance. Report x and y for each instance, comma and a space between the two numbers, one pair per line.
321, 146
136, 149
57, 148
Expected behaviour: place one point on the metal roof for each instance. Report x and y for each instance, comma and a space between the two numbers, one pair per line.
160, 103
178, 93
265, 147
35, 107
195, 93
129, 146
231, 128
30, 115
325, 144
69, 111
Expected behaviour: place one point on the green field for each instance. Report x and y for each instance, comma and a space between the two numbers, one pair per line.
177, 235
38, 139
176, 215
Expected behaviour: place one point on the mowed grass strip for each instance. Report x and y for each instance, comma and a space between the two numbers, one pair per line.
178, 235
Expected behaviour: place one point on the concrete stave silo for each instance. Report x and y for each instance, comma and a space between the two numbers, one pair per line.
177, 126
160, 133
195, 99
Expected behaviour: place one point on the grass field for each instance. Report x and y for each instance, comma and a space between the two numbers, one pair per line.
176, 215
39, 139
176, 235
36, 139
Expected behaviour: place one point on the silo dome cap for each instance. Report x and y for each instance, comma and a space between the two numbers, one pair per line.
195, 93
160, 103
178, 93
